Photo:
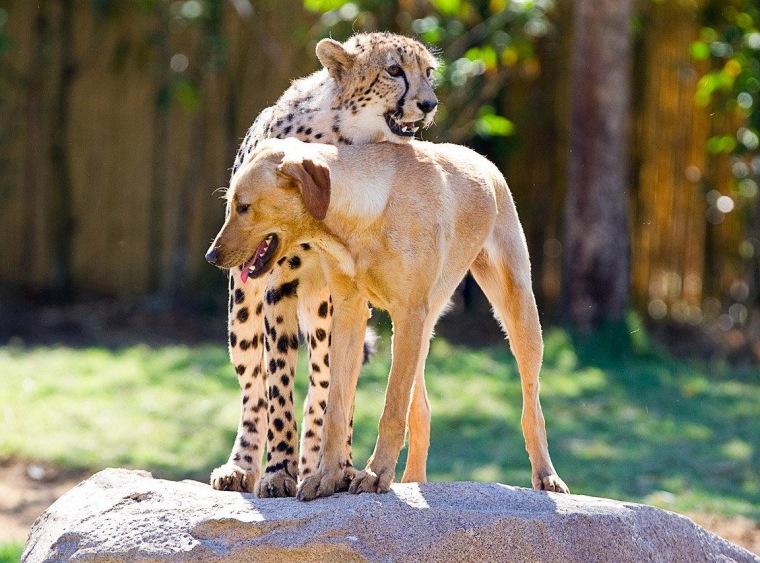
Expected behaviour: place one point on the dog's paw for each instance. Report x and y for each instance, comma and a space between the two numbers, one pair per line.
325, 483
368, 481
231, 477
276, 485
551, 483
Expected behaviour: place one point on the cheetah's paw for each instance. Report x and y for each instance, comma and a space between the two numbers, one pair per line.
231, 477
275, 485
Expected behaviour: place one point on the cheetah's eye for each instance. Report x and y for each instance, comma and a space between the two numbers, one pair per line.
242, 208
429, 72
395, 71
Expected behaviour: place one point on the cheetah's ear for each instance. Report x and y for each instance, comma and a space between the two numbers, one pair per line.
313, 179
334, 57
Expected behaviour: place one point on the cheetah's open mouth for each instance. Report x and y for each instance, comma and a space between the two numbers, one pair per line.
400, 128
259, 263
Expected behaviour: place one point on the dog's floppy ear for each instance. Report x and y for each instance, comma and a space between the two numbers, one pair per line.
334, 57
313, 179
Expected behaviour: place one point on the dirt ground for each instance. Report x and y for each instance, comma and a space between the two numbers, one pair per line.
27, 489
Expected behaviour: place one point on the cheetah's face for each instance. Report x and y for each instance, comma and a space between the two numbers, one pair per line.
386, 83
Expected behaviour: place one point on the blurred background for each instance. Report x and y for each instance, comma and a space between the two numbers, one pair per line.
627, 130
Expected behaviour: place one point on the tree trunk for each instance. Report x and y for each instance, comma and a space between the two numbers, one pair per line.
596, 259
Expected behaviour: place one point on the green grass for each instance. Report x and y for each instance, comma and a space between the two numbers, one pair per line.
644, 428
11, 552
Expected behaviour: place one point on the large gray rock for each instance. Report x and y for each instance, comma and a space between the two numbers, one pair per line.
120, 515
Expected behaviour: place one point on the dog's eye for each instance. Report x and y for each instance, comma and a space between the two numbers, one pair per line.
242, 208
395, 71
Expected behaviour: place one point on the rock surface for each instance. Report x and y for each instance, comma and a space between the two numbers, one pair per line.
120, 515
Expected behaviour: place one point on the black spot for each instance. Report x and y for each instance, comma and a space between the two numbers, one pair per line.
281, 260
259, 308
323, 309
290, 450
278, 424
289, 435
294, 341
242, 314
318, 421
244, 345
279, 320
281, 400
280, 363
315, 448
270, 435
282, 344
282, 446
255, 341
246, 398
266, 324
288, 289
288, 415
324, 384
274, 392
309, 434
272, 366
273, 332
308, 131
323, 404
300, 129
327, 360
239, 296
248, 458
315, 368
285, 380
287, 130
233, 339
318, 136
305, 246
320, 334
294, 262
240, 369
244, 443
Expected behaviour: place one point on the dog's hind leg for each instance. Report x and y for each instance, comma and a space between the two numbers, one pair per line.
246, 342
506, 282
418, 423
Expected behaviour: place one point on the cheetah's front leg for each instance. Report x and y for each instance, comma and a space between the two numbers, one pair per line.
281, 341
246, 344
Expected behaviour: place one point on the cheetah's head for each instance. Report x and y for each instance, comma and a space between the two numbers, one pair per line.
386, 84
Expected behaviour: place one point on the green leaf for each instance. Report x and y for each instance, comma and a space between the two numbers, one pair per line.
699, 50
447, 7
323, 6
492, 125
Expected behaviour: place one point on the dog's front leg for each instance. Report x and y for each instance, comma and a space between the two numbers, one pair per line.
349, 324
412, 330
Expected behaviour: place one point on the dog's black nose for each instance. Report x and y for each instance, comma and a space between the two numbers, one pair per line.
427, 105
212, 256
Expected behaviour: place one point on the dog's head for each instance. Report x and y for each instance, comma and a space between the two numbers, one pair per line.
276, 199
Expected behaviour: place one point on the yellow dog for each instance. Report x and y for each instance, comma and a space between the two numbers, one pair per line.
400, 226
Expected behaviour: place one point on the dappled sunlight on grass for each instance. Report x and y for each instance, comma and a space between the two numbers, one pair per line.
645, 428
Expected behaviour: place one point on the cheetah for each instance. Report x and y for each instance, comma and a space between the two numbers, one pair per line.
375, 87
